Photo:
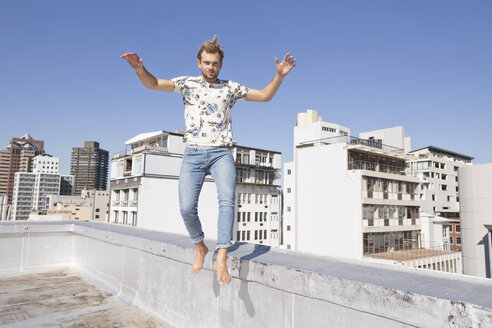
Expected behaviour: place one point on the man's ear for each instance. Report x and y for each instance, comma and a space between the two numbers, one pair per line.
199, 63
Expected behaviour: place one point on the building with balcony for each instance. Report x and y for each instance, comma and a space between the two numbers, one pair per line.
351, 197
439, 190
144, 189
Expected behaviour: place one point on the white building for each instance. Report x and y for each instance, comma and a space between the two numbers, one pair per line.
32, 188
350, 196
144, 189
476, 219
30, 191
45, 164
438, 170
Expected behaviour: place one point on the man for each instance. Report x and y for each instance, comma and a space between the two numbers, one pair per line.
208, 102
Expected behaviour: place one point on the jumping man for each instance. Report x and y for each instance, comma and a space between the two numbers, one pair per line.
208, 102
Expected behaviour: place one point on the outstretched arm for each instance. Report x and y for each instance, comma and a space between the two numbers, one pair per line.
267, 93
147, 79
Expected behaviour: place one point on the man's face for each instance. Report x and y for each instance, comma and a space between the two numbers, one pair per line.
210, 66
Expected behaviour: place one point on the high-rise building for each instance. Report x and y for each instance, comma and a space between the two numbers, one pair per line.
144, 189
32, 188
89, 167
18, 157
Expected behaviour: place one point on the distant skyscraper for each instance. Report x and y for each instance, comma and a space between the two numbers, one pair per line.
18, 157
89, 167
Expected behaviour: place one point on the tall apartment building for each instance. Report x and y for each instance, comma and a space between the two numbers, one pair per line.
347, 196
18, 157
32, 188
30, 192
89, 167
144, 189
438, 170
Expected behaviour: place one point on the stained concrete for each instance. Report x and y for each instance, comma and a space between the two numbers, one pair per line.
59, 298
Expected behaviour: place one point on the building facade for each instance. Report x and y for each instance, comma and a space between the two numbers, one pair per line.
32, 188
18, 157
476, 219
350, 196
144, 189
89, 167
438, 169
30, 192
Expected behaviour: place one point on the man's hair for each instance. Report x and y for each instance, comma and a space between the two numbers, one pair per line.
212, 47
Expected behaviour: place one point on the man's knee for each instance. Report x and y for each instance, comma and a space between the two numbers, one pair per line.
188, 210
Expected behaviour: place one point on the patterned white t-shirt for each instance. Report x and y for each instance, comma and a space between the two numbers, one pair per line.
208, 109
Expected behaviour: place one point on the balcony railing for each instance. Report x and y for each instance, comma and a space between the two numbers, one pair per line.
356, 141
372, 166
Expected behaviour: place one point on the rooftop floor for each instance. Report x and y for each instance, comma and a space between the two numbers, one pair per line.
60, 298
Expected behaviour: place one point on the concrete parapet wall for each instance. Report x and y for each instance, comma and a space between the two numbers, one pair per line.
274, 288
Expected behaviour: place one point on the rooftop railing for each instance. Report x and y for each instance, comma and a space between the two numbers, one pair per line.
350, 140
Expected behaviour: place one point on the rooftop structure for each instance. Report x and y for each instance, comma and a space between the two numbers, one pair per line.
151, 271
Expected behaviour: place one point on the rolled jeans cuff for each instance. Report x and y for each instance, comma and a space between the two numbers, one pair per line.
198, 239
229, 244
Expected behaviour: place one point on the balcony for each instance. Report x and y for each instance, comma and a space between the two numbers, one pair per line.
137, 269
378, 167
349, 140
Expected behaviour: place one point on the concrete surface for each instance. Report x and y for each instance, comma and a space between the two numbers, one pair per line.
59, 298
152, 271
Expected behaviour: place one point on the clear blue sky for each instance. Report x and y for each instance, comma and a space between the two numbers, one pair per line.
426, 65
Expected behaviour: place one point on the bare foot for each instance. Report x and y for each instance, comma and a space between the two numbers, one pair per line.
201, 251
220, 266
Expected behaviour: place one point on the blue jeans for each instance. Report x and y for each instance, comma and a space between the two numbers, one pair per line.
197, 163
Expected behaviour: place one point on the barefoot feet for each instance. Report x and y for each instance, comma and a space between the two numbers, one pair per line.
220, 267
201, 251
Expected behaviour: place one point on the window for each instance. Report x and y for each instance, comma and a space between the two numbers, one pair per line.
288, 209
289, 172
248, 235
256, 234
458, 240
97, 210
458, 228
451, 240
289, 190
328, 129
288, 228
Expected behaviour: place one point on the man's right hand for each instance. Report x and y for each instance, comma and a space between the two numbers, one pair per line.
133, 59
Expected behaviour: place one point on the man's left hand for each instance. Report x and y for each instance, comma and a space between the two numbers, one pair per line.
286, 65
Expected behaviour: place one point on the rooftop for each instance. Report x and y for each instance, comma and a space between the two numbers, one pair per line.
442, 151
62, 298
150, 272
